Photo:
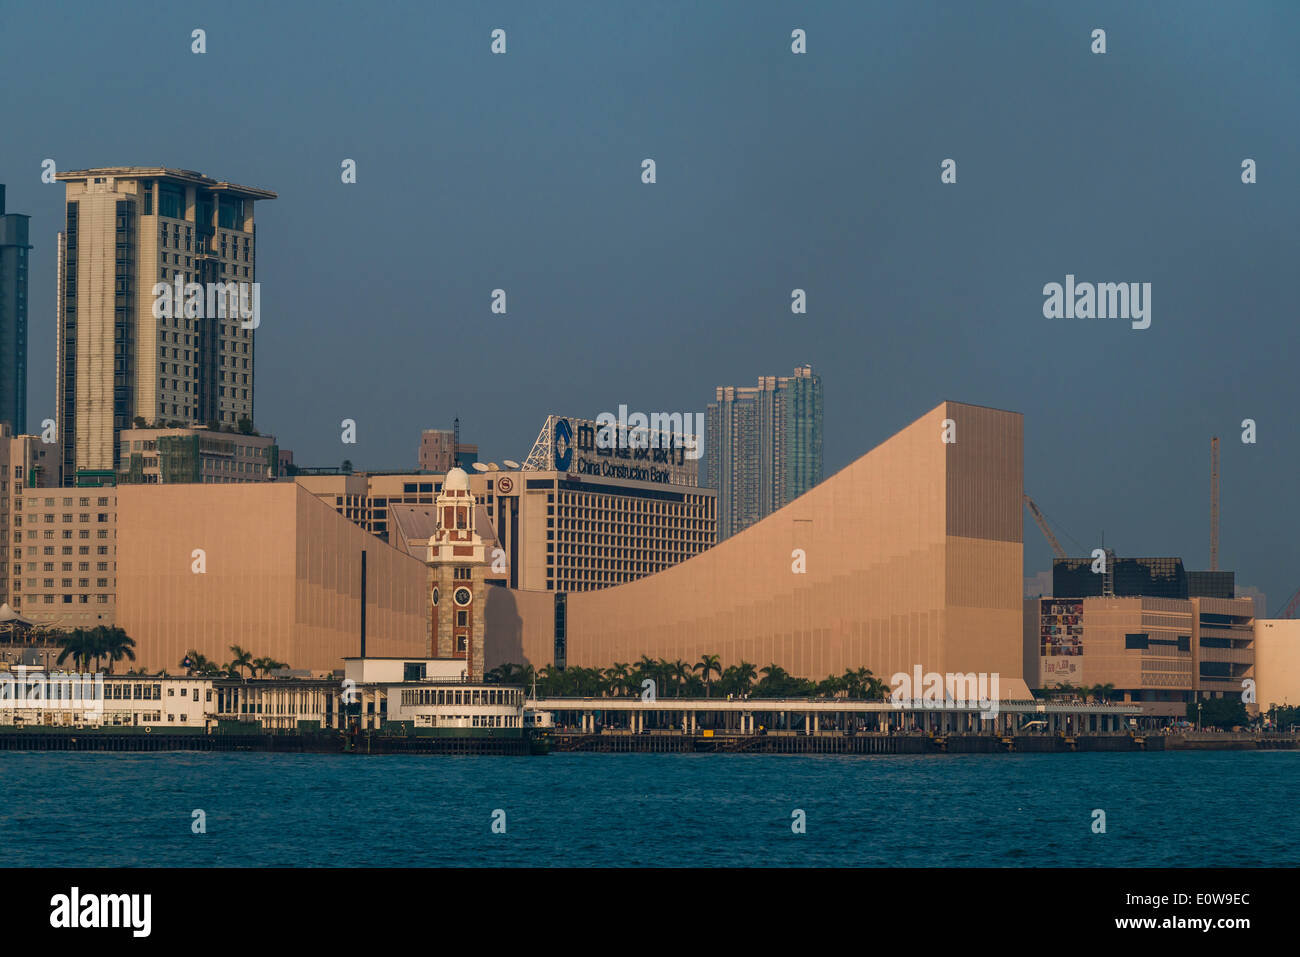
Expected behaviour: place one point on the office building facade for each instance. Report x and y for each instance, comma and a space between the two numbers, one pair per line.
13, 317
763, 446
128, 229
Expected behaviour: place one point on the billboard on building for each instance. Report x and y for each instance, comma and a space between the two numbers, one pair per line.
663, 449
1060, 628
1060, 647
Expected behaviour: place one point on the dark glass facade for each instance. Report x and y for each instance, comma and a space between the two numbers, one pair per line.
1211, 584
1134, 577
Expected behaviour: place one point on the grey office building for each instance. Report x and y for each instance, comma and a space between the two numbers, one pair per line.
13, 317
763, 446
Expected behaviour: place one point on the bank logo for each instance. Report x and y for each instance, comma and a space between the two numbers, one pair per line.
563, 445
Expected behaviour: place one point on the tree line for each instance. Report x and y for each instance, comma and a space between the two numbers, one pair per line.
680, 679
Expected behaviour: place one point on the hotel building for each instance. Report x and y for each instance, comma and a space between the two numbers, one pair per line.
25, 462
13, 317
66, 576
128, 228
763, 446
569, 520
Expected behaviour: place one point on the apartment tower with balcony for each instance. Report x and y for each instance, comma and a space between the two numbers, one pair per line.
128, 229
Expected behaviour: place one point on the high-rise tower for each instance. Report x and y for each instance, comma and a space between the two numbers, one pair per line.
128, 229
763, 446
13, 317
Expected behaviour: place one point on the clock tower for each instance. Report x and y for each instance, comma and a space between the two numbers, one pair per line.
457, 592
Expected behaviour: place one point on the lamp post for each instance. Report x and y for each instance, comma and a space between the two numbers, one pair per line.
1199, 726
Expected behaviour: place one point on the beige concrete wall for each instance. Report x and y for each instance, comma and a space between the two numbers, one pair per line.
282, 578
1277, 662
913, 556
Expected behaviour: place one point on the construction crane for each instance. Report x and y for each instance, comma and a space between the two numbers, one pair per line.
1042, 525
1289, 609
1214, 504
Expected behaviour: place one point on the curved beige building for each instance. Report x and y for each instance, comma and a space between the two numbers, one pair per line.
912, 555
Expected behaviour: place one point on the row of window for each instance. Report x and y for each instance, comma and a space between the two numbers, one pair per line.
448, 696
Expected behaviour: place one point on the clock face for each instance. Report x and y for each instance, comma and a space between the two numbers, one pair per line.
435, 594
463, 596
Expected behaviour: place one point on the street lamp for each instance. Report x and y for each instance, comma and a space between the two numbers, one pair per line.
1198, 715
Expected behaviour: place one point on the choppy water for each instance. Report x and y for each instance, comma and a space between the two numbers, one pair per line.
1172, 809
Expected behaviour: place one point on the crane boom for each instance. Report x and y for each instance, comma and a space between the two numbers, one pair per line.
1042, 525
1214, 504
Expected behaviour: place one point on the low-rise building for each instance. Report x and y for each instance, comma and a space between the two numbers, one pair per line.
163, 456
1161, 653
420, 695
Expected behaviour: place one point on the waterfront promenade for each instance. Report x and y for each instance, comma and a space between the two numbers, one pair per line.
834, 715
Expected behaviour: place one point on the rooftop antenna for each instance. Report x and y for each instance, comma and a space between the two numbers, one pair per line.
455, 442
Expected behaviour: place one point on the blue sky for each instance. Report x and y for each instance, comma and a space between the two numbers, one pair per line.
775, 171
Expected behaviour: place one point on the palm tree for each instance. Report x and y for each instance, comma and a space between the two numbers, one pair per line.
679, 671
1103, 692
746, 675
267, 665
549, 678
620, 678
707, 666
242, 659
78, 645
117, 645
97, 644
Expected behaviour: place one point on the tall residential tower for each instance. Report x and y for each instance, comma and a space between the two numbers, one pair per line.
763, 446
13, 318
127, 229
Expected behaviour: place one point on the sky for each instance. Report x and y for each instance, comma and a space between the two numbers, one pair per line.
774, 171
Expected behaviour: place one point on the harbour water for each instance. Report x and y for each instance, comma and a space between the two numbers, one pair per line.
1174, 809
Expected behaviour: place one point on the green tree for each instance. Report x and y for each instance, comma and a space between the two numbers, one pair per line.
242, 660
707, 666
1225, 712
265, 666
116, 645
77, 645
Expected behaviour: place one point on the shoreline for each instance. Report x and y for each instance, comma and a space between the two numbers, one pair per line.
89, 740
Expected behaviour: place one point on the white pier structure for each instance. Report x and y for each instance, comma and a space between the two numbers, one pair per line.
831, 715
